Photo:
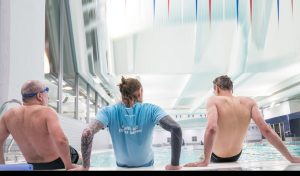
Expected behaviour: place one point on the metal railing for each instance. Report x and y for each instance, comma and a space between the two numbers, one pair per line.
4, 105
10, 141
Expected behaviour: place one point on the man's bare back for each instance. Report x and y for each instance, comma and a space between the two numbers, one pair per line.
228, 120
234, 115
36, 129
29, 127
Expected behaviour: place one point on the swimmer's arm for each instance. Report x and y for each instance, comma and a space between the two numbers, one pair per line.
59, 138
269, 133
169, 124
87, 141
211, 129
210, 134
3, 136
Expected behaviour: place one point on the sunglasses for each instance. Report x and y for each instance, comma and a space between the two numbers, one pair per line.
29, 95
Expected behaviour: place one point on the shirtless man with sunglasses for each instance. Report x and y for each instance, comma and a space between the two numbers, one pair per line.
37, 131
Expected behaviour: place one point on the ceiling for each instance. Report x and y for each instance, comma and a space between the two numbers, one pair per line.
176, 54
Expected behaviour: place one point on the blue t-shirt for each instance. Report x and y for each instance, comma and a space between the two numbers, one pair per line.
131, 131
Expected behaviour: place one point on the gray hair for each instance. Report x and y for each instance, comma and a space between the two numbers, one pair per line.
31, 86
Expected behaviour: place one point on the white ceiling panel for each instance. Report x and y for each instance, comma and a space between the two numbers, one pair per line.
177, 56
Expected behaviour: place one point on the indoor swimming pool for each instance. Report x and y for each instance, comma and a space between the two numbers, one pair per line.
252, 152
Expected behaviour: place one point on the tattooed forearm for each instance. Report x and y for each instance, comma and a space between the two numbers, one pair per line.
86, 146
87, 142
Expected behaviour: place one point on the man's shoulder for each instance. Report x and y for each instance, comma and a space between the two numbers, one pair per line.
12, 112
215, 99
149, 105
245, 99
111, 107
221, 99
45, 110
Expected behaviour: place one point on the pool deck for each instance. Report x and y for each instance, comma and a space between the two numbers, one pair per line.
234, 166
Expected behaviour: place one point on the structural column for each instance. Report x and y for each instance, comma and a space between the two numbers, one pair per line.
22, 34
4, 49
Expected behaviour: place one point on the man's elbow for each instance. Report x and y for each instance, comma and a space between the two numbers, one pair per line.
62, 141
177, 130
266, 131
211, 129
87, 133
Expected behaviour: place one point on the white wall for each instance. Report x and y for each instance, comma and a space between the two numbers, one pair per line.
294, 106
4, 48
282, 109
160, 136
188, 134
22, 33
253, 133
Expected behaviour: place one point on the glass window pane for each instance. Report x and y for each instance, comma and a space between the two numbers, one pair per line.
51, 82
68, 100
82, 100
92, 103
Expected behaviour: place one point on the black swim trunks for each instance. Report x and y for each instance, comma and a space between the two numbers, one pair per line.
58, 163
216, 159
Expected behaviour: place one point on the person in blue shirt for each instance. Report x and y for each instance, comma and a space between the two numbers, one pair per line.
131, 123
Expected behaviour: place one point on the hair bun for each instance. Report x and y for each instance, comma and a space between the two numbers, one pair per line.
123, 80
122, 85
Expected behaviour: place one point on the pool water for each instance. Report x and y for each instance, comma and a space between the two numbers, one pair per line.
258, 151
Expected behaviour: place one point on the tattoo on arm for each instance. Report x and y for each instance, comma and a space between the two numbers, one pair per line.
87, 141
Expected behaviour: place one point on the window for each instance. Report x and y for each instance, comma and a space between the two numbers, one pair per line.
92, 103
168, 139
194, 138
89, 16
91, 64
84, 2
